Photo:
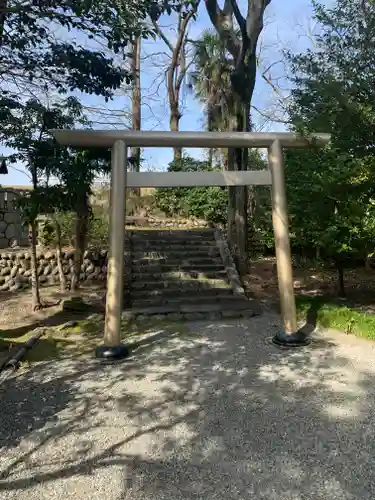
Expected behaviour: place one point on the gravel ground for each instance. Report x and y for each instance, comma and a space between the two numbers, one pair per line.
216, 413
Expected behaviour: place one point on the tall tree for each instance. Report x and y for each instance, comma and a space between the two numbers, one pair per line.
240, 35
211, 82
3, 6
27, 132
136, 98
77, 172
178, 65
334, 82
136, 107
334, 92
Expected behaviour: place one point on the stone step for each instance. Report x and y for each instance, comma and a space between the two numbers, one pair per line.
172, 236
175, 243
197, 311
177, 293
179, 275
225, 300
177, 255
175, 232
170, 316
156, 266
183, 285
176, 247
186, 261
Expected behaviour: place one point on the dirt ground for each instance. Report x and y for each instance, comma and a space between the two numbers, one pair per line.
262, 284
16, 311
17, 321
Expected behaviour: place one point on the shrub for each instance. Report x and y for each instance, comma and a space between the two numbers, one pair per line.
99, 231
204, 203
97, 236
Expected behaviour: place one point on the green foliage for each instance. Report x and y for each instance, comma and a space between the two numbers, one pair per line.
27, 132
139, 205
204, 203
98, 236
330, 213
44, 200
37, 49
211, 203
211, 80
334, 85
262, 239
331, 191
66, 221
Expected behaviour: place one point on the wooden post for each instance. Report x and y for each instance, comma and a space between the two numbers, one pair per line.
290, 335
112, 347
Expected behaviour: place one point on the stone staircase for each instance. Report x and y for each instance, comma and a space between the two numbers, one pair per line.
182, 274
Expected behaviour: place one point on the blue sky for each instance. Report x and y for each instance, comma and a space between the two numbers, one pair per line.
287, 25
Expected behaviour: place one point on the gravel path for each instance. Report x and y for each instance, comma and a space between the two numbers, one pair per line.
214, 414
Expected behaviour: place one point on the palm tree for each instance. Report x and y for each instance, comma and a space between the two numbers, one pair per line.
211, 82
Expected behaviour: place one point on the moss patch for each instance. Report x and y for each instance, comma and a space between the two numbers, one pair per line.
81, 337
327, 313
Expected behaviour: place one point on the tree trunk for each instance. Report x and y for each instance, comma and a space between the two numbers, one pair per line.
366, 260
367, 263
136, 105
59, 257
35, 293
240, 35
3, 7
174, 123
82, 223
238, 196
211, 157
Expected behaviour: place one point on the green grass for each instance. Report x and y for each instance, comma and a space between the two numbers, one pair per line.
330, 314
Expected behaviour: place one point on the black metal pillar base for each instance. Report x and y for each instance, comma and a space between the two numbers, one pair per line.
291, 340
112, 353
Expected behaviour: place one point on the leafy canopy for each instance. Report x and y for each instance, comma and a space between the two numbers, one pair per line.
45, 43
334, 80
331, 192
75, 169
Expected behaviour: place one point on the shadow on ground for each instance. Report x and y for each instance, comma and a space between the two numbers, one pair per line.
216, 413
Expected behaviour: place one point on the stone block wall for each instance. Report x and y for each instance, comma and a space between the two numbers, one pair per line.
12, 231
15, 268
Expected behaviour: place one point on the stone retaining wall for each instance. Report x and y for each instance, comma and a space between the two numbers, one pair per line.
12, 231
230, 267
15, 268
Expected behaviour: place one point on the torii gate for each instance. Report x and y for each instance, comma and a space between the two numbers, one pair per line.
120, 140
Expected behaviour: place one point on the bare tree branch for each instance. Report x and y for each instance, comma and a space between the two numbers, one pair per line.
162, 35
178, 64
254, 21
272, 118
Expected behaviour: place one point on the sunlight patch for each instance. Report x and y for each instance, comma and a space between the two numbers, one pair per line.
345, 411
